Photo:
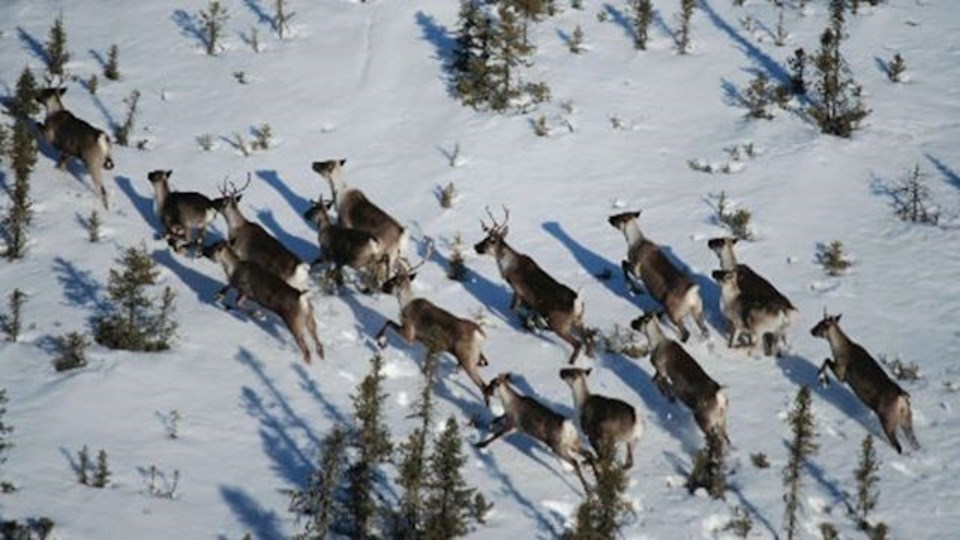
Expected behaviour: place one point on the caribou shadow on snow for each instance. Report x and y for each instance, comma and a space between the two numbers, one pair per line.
298, 203
949, 174
144, 205
303, 249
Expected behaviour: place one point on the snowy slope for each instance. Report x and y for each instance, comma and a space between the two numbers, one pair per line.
364, 82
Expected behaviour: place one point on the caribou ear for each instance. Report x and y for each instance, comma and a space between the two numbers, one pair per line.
636, 215
837, 317
412, 276
169, 173
734, 240
587, 371
61, 91
343, 162
239, 196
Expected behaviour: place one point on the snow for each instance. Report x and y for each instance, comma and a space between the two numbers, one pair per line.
363, 81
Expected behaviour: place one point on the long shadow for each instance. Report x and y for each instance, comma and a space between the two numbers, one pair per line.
709, 292
307, 251
3, 183
552, 528
262, 16
564, 37
673, 418
773, 68
367, 321
188, 25
753, 510
278, 422
298, 203
99, 58
620, 19
803, 373
596, 264
144, 205
308, 385
33, 45
949, 174
105, 111
823, 478
264, 523
79, 286
443, 45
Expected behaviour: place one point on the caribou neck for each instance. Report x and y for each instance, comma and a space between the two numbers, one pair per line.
337, 185
235, 219
728, 261
631, 231
506, 258
53, 105
654, 333
580, 392
229, 261
839, 342
160, 193
507, 395
404, 295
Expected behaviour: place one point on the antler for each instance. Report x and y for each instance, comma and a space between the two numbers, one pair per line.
233, 190
426, 256
497, 227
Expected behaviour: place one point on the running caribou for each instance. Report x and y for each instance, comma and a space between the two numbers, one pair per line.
180, 212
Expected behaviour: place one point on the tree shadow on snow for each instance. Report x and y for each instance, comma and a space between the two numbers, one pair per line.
773, 68
188, 24
33, 45
257, 9
280, 426
442, 41
620, 19
949, 174
309, 385
752, 509
551, 526
262, 522
79, 286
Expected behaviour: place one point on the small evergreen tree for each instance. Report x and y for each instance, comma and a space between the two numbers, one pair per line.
281, 18
708, 468
72, 351
372, 445
508, 53
56, 48
5, 431
802, 447
576, 40
456, 265
451, 505
413, 461
911, 199
213, 20
4, 143
833, 259
112, 69
134, 323
895, 68
93, 226
798, 65
320, 502
642, 16
838, 109
11, 323
101, 474
83, 466
122, 132
780, 37
867, 480
16, 224
682, 35
602, 513
472, 54
741, 524
24, 104
757, 97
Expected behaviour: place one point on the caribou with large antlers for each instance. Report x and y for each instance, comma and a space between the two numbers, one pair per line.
534, 289
252, 243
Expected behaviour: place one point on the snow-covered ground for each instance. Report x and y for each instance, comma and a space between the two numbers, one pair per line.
364, 81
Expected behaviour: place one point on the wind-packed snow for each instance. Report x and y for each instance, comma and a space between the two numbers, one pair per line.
365, 82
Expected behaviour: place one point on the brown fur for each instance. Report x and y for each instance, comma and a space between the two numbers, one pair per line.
181, 212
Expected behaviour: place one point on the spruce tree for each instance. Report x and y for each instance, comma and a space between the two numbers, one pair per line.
24, 104
11, 322
112, 70
101, 475
508, 53
802, 447
320, 502
16, 223
213, 19
798, 65
134, 323
5, 429
682, 35
413, 460
756, 98
452, 505
911, 198
56, 48
602, 513
867, 480
642, 16
709, 471
372, 445
838, 108
472, 54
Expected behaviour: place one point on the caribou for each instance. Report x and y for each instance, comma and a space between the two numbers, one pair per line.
344, 246
435, 327
252, 243
527, 415
180, 212
534, 289
765, 312
355, 211
678, 375
72, 136
604, 420
852, 364
262, 286
673, 289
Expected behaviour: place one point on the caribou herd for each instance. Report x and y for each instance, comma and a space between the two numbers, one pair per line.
354, 232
